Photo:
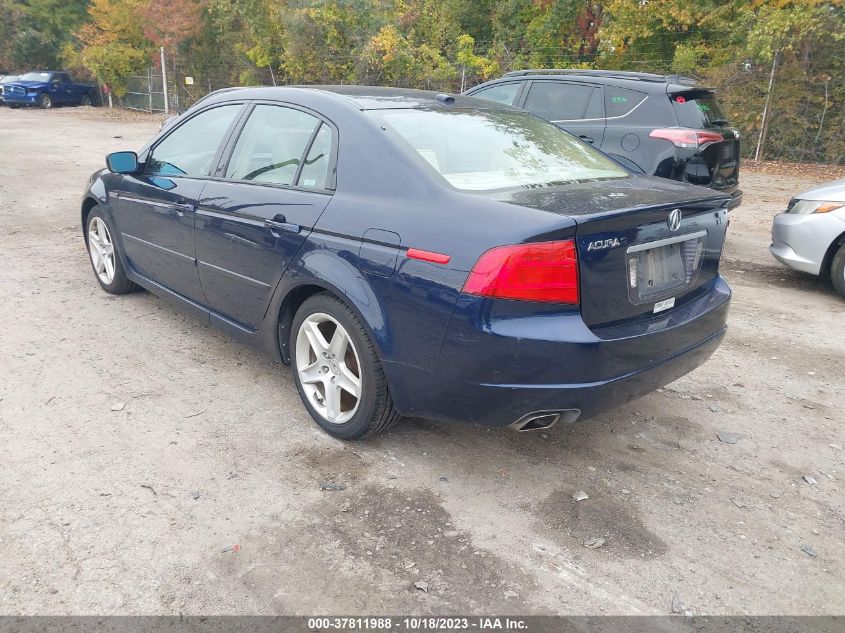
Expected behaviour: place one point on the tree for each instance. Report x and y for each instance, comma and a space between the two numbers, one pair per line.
113, 42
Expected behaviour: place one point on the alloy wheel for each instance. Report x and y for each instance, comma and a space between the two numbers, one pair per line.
328, 367
101, 249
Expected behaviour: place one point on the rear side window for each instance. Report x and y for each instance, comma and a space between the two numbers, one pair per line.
190, 149
698, 109
502, 93
315, 169
561, 101
620, 101
271, 145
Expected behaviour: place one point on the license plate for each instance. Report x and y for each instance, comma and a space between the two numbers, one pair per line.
660, 306
660, 269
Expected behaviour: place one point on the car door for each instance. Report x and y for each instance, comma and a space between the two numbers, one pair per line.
58, 89
155, 208
253, 218
574, 106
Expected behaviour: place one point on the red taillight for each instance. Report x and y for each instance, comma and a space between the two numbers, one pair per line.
686, 137
544, 271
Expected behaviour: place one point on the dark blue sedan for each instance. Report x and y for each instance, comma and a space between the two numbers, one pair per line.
417, 254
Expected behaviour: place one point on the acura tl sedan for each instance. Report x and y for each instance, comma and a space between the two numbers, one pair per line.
810, 235
417, 254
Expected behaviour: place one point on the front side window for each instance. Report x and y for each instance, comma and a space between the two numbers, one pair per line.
503, 93
559, 101
272, 144
481, 150
190, 149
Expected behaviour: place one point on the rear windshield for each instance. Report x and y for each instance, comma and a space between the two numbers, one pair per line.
698, 110
483, 150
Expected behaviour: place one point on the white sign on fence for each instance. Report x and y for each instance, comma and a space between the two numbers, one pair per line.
189, 81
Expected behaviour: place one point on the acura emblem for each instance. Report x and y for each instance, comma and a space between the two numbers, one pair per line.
674, 220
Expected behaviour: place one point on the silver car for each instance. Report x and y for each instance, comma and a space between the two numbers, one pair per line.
810, 235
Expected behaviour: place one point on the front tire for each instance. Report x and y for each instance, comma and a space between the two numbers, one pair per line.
338, 372
837, 271
85, 100
45, 102
104, 256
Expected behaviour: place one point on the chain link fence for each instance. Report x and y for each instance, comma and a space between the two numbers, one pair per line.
145, 92
806, 118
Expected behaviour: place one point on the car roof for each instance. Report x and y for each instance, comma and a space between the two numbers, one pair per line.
647, 82
363, 97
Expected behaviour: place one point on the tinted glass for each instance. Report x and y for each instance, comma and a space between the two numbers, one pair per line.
698, 109
483, 150
315, 171
595, 108
271, 145
190, 149
558, 101
35, 77
620, 101
503, 93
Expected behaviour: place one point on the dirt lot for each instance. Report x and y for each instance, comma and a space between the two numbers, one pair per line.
201, 494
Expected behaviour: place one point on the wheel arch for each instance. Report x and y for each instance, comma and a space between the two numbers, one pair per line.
87, 205
369, 312
827, 260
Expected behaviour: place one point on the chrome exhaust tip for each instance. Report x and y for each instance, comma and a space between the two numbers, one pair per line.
539, 420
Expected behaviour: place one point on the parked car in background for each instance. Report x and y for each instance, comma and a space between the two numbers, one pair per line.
417, 254
810, 235
667, 126
5, 79
46, 89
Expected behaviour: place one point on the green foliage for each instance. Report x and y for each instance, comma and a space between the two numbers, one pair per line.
33, 32
444, 44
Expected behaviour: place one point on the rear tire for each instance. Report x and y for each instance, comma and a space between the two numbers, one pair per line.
837, 271
104, 255
85, 100
45, 102
330, 350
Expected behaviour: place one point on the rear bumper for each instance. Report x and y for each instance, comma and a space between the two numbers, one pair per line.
736, 199
511, 366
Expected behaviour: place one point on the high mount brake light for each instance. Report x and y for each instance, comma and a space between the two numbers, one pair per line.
542, 271
686, 137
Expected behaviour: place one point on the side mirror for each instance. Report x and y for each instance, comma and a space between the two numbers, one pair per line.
122, 162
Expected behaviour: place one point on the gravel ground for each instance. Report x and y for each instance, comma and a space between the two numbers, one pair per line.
151, 465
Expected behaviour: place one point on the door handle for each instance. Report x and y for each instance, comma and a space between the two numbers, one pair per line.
584, 137
280, 223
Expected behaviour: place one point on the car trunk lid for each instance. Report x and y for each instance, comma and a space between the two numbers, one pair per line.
716, 164
644, 245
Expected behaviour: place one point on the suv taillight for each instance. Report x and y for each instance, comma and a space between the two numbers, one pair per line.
543, 271
686, 137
